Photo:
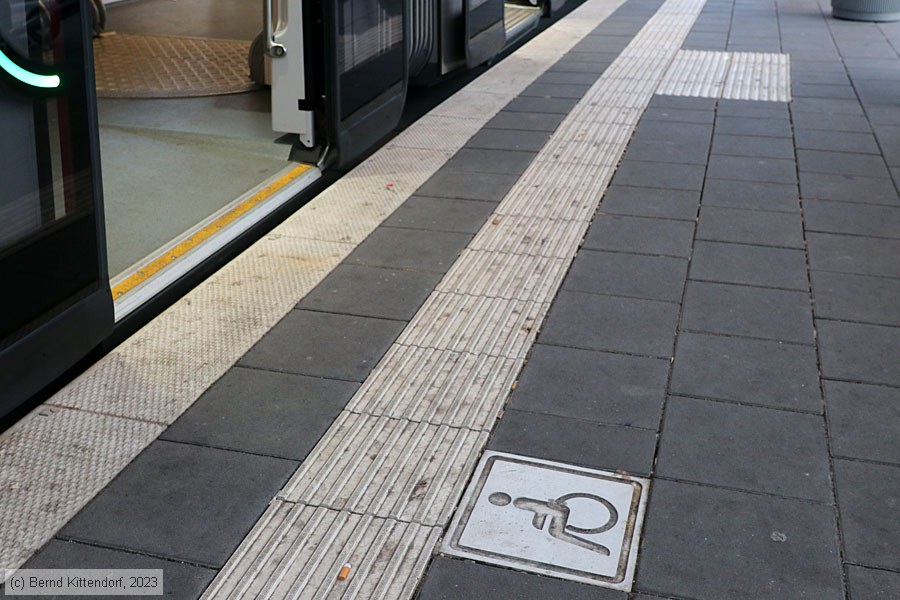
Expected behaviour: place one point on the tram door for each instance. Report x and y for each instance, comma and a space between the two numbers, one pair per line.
339, 72
55, 303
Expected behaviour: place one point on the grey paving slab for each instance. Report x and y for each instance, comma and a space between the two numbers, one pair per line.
481, 160
869, 503
759, 372
640, 235
566, 78
736, 446
524, 121
853, 254
662, 151
651, 202
373, 291
765, 127
751, 195
289, 413
324, 345
440, 214
820, 77
831, 121
556, 90
180, 580
862, 421
685, 102
417, 250
662, 131
889, 141
174, 501
752, 146
827, 105
748, 311
704, 542
575, 441
453, 579
872, 584
508, 139
571, 64
763, 228
580, 320
594, 386
445, 183
532, 104
749, 265
857, 352
679, 115
866, 299
752, 109
752, 168
635, 275
812, 139
841, 163
659, 175
847, 188
818, 90
856, 219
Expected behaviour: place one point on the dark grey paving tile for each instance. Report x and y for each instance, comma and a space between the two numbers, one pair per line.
441, 214
841, 163
651, 202
659, 175
524, 121
669, 152
640, 235
750, 371
508, 139
836, 141
571, 64
855, 219
466, 185
453, 579
373, 291
856, 352
173, 501
584, 443
180, 580
763, 228
846, 297
749, 265
831, 122
289, 413
889, 141
679, 115
827, 105
565, 78
556, 90
848, 188
825, 77
618, 274
872, 584
862, 421
752, 109
752, 146
747, 168
734, 446
594, 386
703, 542
479, 160
748, 311
751, 195
685, 102
853, 254
765, 127
662, 131
869, 504
531, 104
432, 251
817, 90
324, 345
593, 322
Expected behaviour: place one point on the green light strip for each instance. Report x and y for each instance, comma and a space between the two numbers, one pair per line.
27, 77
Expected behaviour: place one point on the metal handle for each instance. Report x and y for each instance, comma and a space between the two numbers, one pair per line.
272, 49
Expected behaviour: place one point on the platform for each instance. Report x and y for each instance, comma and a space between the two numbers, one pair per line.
652, 257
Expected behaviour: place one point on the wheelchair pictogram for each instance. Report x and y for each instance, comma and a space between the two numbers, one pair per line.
558, 512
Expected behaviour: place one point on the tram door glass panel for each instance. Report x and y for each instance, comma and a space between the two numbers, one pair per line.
49, 247
370, 52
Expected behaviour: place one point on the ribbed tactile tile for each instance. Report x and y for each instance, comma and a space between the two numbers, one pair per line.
732, 75
297, 551
511, 276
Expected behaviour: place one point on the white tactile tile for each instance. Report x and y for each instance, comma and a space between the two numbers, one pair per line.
732, 75
513, 276
437, 133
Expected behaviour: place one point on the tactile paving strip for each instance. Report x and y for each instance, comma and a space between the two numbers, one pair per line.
731, 75
152, 66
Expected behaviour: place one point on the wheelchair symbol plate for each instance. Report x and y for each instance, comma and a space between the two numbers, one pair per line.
551, 518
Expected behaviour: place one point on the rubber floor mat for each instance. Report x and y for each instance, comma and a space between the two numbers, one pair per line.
145, 66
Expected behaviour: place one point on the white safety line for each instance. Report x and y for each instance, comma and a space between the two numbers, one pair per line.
402, 449
59, 456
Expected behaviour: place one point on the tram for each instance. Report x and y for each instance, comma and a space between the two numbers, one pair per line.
336, 74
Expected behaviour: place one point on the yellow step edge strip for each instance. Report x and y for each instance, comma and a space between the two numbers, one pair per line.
164, 260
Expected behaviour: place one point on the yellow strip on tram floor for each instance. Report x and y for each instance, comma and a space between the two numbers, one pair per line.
170, 256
